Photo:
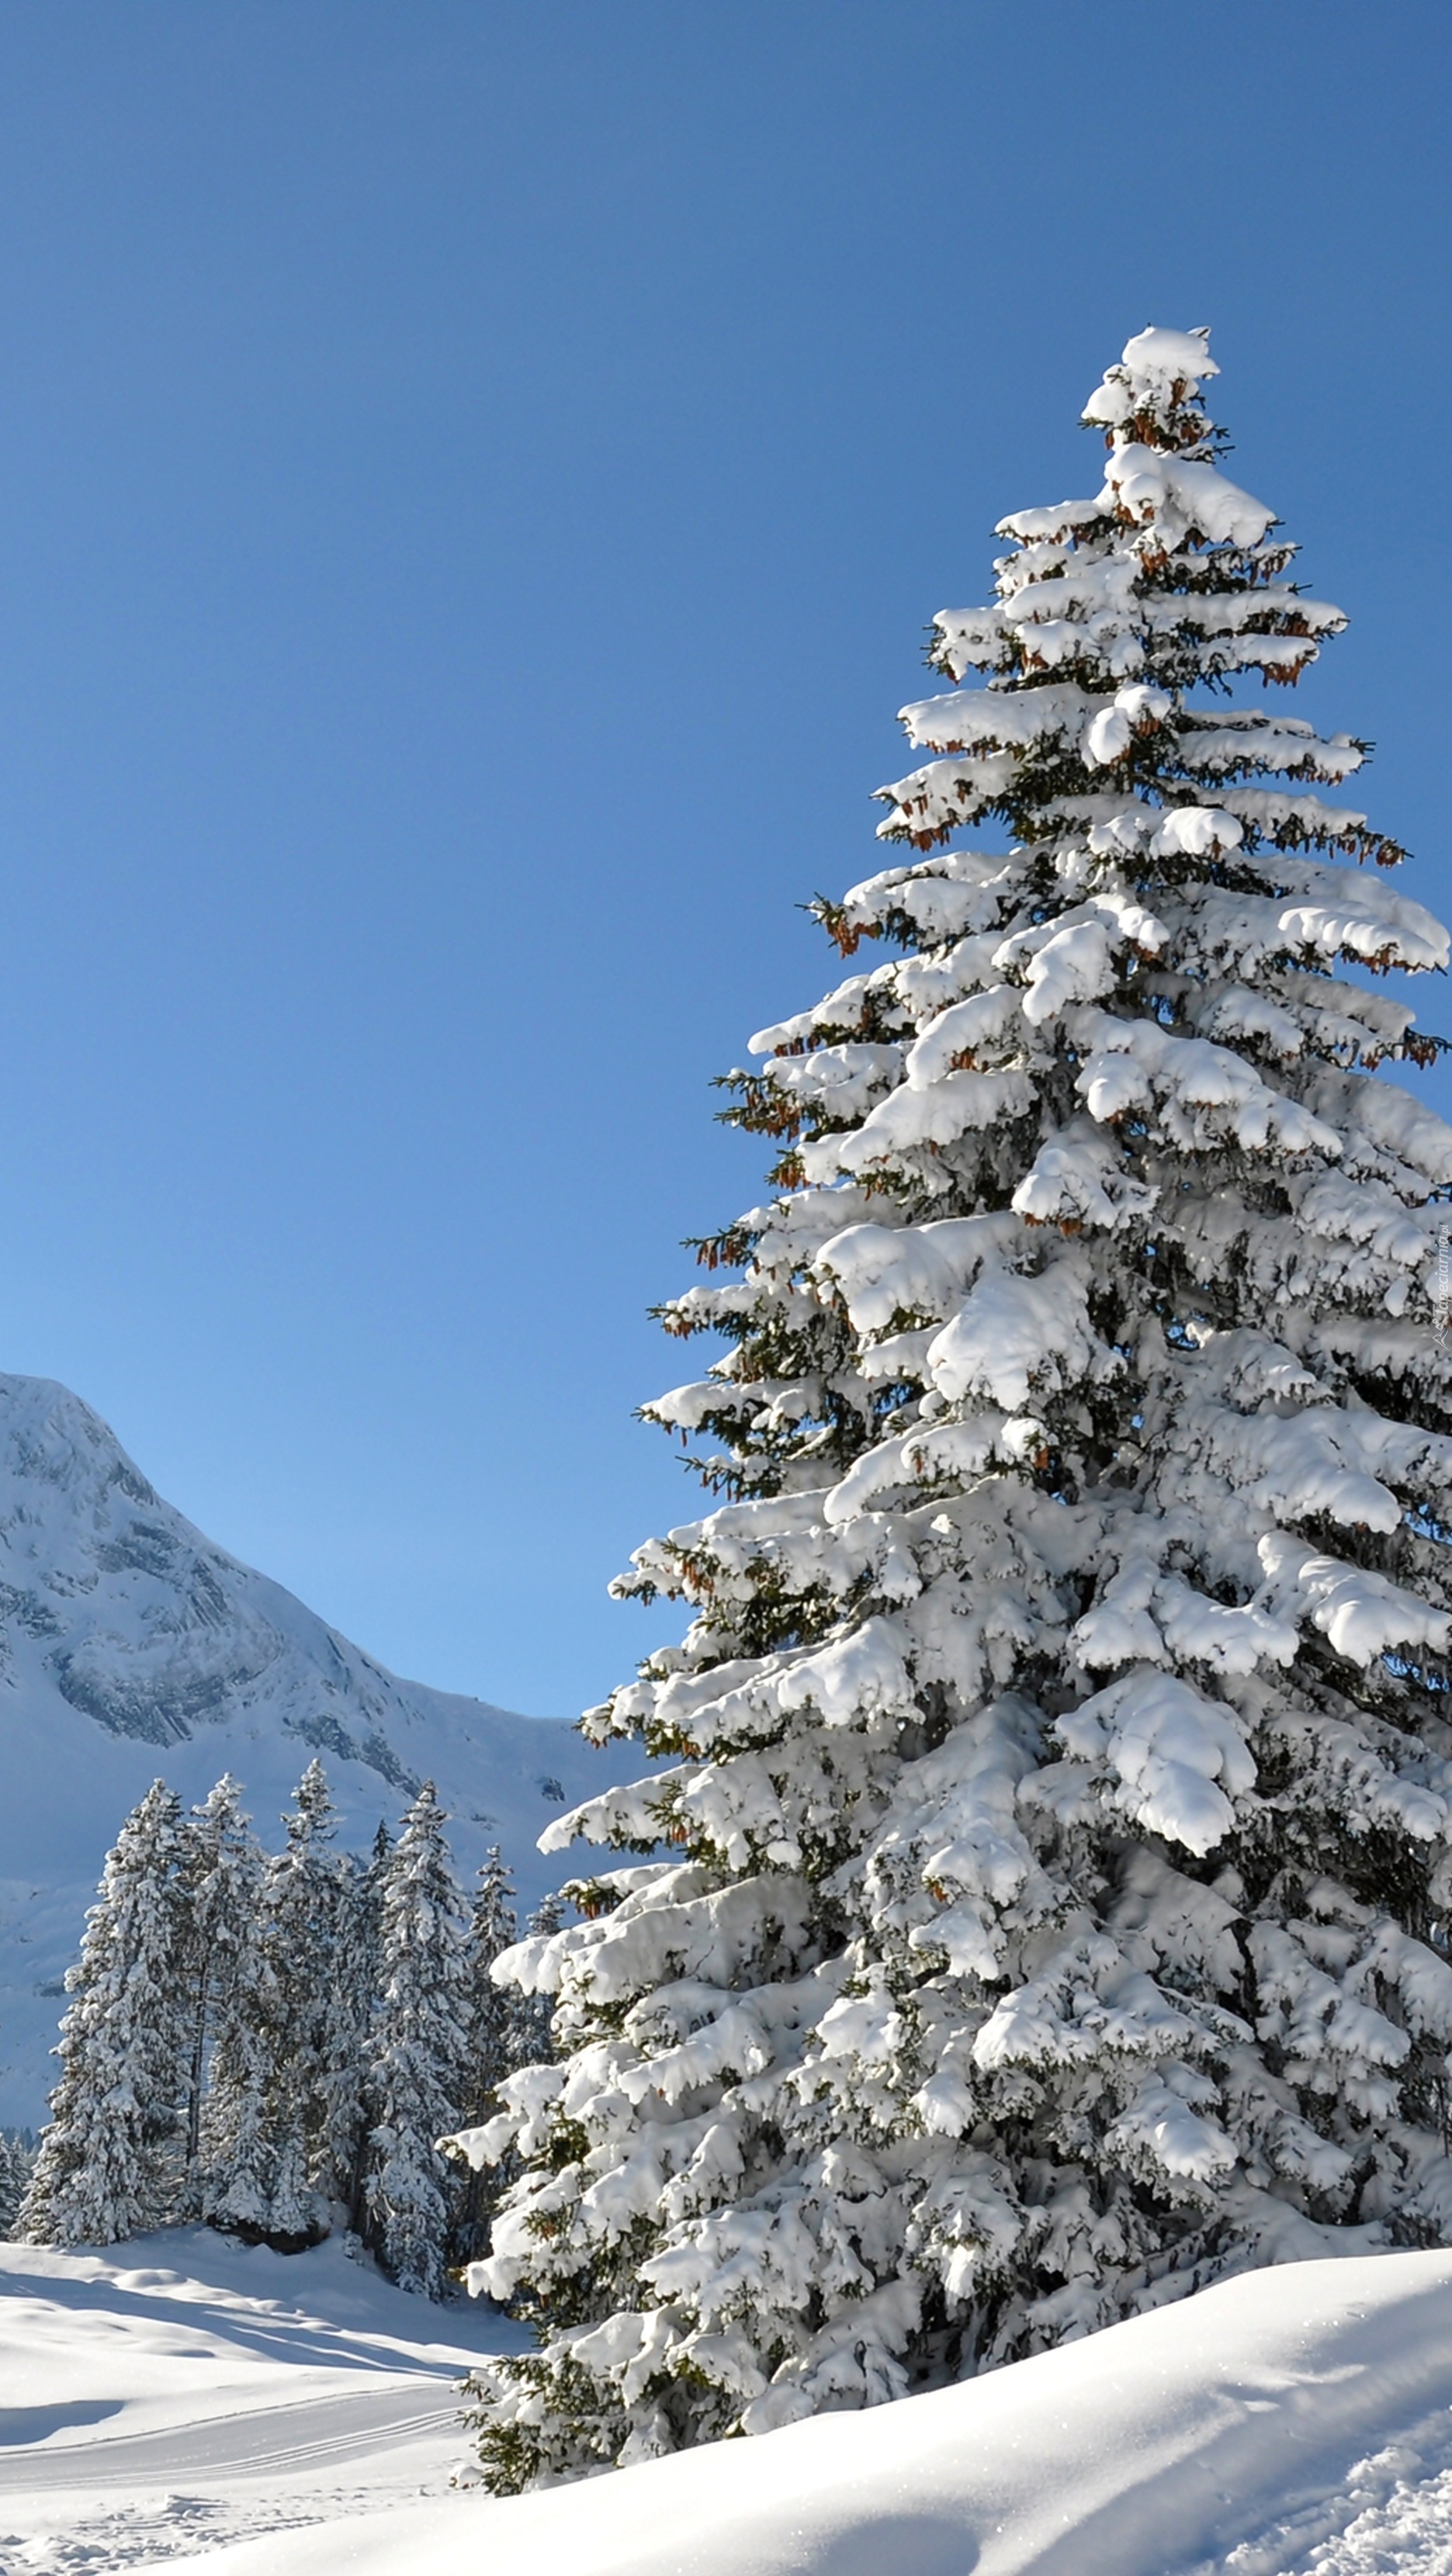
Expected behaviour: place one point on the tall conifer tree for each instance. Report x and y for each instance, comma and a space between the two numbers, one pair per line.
112, 2159
491, 2007
236, 2144
353, 1999
419, 2051
1042, 1912
492, 2024
302, 1899
269, 2141
221, 1873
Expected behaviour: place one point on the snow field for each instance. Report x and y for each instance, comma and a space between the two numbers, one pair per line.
1294, 2420
182, 2390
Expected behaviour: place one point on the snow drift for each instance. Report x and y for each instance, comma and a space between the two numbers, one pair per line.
1238, 2428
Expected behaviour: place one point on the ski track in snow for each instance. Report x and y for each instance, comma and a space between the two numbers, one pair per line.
263, 2442
181, 2393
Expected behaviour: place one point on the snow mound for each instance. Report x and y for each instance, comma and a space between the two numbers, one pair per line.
1290, 2419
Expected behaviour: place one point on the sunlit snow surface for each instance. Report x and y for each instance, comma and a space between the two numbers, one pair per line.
181, 2390
1296, 2422
132, 1646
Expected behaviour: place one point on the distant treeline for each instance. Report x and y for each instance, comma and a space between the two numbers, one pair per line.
271, 2043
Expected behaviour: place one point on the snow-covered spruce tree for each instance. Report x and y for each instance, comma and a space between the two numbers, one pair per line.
267, 2123
532, 2037
492, 2009
1056, 1842
302, 1897
221, 1877
111, 2160
352, 2001
236, 2147
17, 2164
491, 2051
419, 2051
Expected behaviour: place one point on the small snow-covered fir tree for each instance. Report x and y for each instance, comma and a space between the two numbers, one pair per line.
491, 2007
221, 1875
532, 2035
419, 2050
17, 2165
1042, 1913
112, 2159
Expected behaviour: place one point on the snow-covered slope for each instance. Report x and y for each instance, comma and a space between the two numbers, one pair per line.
184, 2388
132, 1646
1294, 2422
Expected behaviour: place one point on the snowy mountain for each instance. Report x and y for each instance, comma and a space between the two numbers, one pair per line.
132, 1646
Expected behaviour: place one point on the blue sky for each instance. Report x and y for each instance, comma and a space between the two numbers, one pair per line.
473, 481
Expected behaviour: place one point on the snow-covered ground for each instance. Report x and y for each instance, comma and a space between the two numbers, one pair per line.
186, 2404
182, 2390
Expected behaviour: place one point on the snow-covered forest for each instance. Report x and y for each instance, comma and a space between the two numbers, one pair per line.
1043, 1913
274, 2043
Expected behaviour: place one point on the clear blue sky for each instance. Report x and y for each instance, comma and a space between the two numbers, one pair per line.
473, 480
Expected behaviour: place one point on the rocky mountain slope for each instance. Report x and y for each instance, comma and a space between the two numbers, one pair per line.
132, 1646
